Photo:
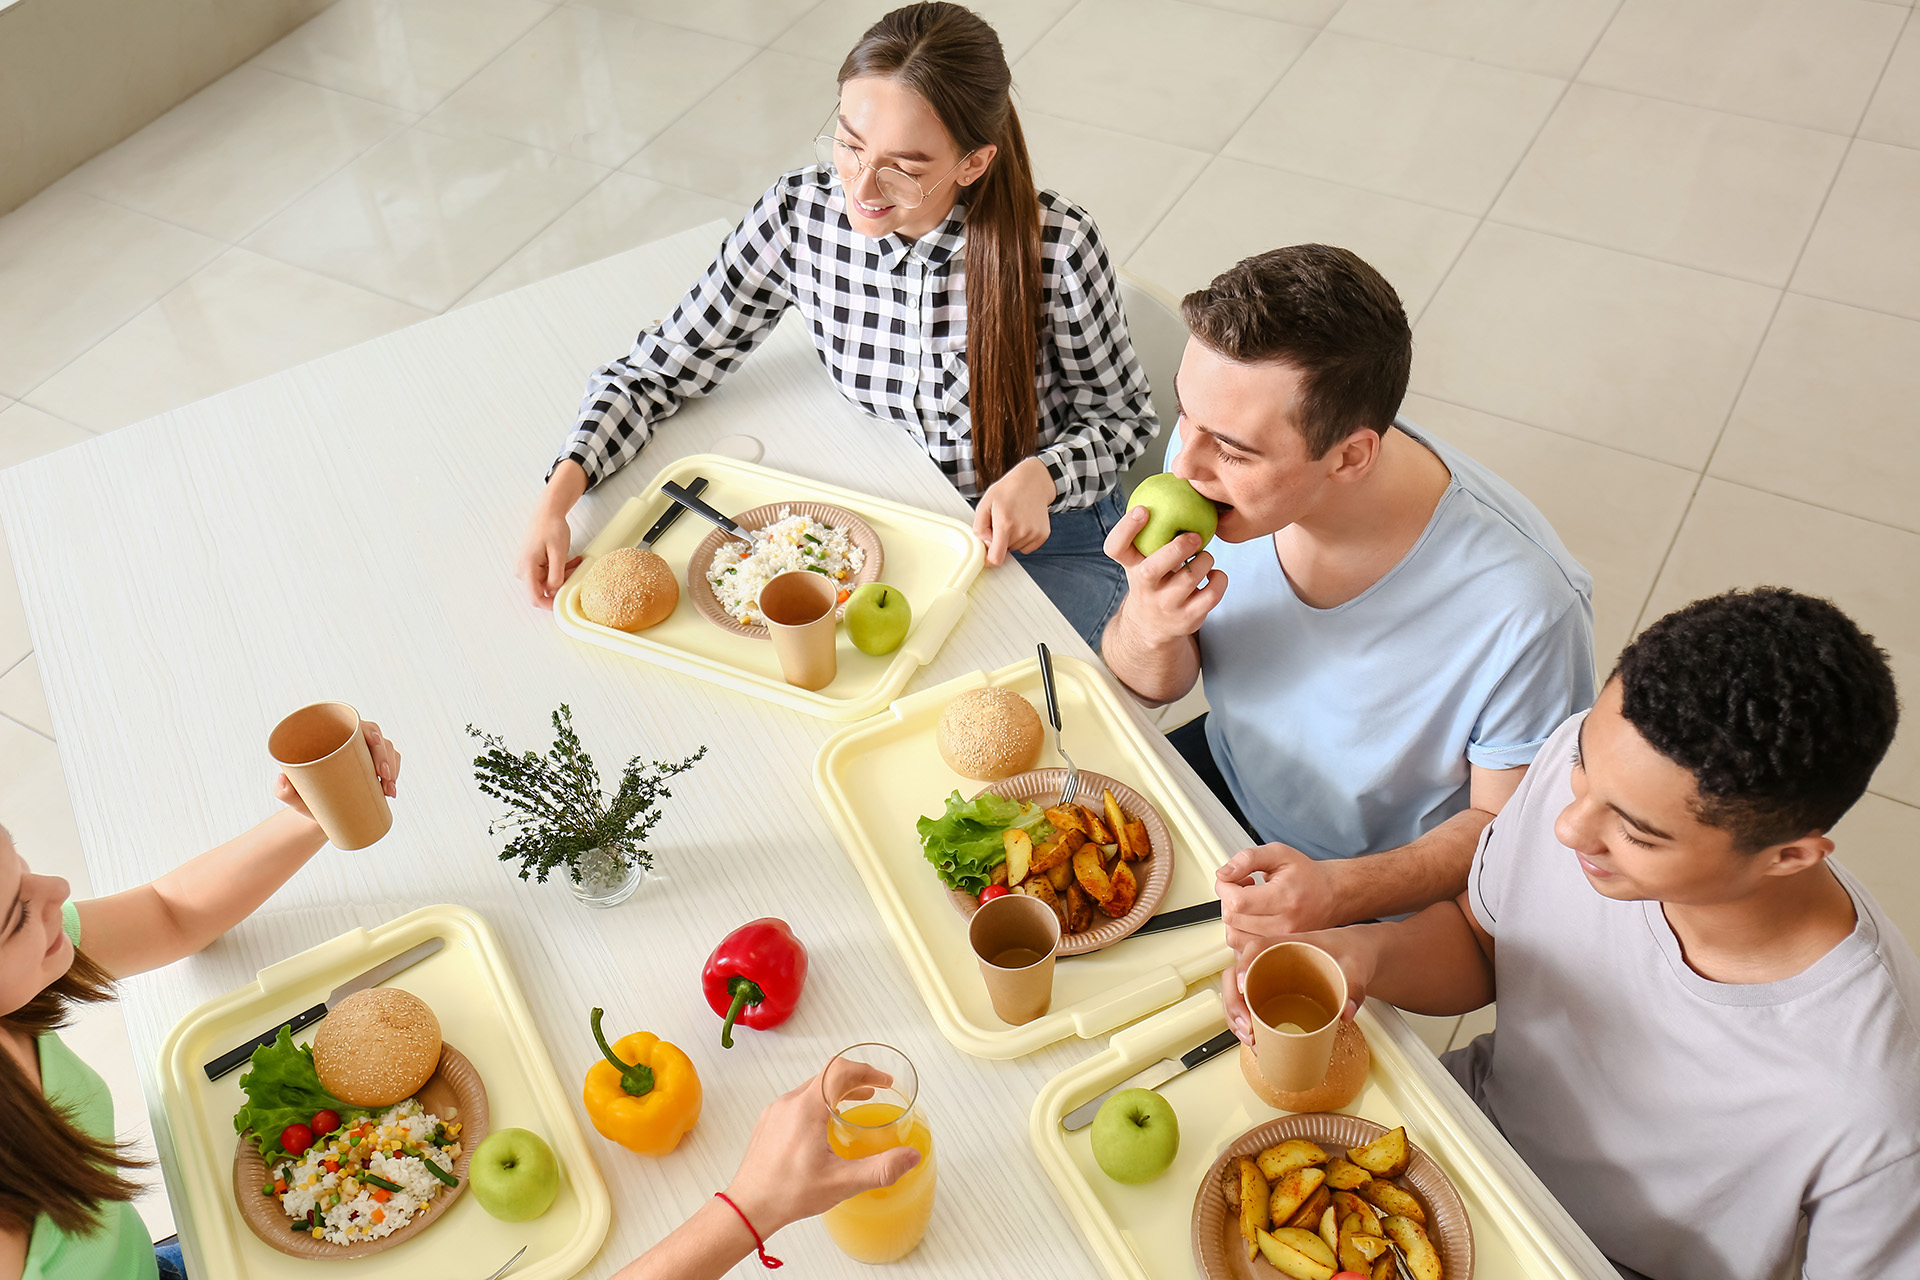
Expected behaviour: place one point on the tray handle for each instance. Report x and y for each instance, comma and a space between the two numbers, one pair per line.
936, 624
305, 968
1154, 990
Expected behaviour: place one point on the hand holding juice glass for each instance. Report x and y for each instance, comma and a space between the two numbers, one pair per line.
869, 1117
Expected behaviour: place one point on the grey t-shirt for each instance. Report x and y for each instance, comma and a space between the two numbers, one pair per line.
1687, 1125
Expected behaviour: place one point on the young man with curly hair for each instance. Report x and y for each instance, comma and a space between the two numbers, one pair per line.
1707, 1026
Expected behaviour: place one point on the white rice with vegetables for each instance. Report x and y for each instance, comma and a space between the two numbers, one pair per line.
789, 543
333, 1175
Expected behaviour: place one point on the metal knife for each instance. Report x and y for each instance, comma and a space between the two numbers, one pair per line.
240, 1055
1198, 913
686, 499
1152, 1078
665, 522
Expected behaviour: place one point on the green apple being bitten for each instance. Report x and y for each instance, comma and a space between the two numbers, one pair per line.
1173, 507
514, 1175
877, 618
1135, 1136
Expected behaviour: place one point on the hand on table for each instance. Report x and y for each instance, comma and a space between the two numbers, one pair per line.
1165, 599
544, 564
1350, 947
386, 766
1012, 515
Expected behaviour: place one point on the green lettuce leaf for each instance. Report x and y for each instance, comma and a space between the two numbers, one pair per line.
964, 844
282, 1089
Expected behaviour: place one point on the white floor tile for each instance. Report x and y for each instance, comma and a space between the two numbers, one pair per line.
1805, 62
1680, 183
754, 21
27, 432
1236, 209
1182, 73
73, 269
1894, 114
759, 123
242, 317
240, 149
1866, 247
407, 53
424, 217
1101, 171
1738, 537
1827, 414
1547, 36
1424, 126
620, 213
1603, 345
591, 84
23, 699
1876, 841
1621, 539
831, 29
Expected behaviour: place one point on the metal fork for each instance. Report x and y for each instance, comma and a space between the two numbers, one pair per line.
1071, 787
510, 1261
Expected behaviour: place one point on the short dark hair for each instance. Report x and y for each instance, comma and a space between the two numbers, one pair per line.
1328, 314
1776, 702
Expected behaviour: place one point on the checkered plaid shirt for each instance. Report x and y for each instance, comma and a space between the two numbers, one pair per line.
888, 318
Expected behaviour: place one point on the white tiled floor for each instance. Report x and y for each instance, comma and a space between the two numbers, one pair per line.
1661, 255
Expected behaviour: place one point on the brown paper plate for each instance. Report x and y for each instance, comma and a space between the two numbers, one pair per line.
1154, 873
454, 1083
1220, 1254
700, 591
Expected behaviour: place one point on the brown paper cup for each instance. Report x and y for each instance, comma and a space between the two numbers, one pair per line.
1278, 977
1015, 937
799, 608
323, 754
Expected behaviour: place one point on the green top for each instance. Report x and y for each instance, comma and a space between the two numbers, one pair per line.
120, 1249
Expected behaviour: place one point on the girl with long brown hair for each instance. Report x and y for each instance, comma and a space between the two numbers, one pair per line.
942, 291
65, 1211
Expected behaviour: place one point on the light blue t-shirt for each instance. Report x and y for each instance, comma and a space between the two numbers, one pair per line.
1349, 730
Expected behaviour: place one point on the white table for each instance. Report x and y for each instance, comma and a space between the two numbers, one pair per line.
346, 529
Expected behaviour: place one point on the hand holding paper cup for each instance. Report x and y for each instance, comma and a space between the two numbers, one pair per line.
324, 753
1295, 992
1015, 937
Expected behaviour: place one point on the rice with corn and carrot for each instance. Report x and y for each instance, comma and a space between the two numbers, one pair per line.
738, 572
336, 1187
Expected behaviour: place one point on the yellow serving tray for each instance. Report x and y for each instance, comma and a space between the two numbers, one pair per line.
875, 779
1144, 1232
932, 559
482, 1013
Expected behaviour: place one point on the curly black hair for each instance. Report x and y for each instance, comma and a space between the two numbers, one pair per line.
1776, 702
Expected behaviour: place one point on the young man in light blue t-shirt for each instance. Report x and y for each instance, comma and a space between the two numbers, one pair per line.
1388, 630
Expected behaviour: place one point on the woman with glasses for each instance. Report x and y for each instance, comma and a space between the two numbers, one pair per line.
942, 291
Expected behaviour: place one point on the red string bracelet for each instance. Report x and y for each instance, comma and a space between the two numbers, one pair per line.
761, 1245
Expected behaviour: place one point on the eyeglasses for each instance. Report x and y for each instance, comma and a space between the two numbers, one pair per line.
897, 186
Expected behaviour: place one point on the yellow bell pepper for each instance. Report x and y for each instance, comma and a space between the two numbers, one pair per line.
644, 1095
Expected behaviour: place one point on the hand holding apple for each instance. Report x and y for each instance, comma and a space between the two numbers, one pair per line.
1173, 507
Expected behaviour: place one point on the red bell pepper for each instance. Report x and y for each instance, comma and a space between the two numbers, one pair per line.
754, 976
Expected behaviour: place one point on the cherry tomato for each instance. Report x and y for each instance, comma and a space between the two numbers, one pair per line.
325, 1122
295, 1139
991, 892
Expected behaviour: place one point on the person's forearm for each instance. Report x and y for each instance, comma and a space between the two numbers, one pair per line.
704, 1247
1158, 673
1430, 963
1415, 875
564, 487
195, 903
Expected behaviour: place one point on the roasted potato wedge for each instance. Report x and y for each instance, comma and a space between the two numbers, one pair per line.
1369, 1247
1092, 873
1330, 1230
1306, 1243
1383, 1268
1060, 876
1098, 832
998, 875
1037, 887
1050, 854
1125, 889
1253, 1204
1352, 1206
1292, 1191
1394, 1200
1385, 1156
1065, 818
1135, 844
1352, 1254
1117, 818
1344, 1175
1294, 1153
1309, 1213
1423, 1260
1019, 847
1290, 1261
1079, 909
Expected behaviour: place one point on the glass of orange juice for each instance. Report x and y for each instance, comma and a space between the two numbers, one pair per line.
871, 1090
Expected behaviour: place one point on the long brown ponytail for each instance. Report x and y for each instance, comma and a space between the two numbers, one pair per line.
952, 58
48, 1164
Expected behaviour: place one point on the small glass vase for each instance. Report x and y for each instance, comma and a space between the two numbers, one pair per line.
605, 878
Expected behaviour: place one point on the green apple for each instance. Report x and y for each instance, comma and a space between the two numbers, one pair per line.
514, 1175
877, 618
1135, 1136
1174, 507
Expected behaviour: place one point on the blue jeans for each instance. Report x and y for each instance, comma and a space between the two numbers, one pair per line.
167, 1254
1075, 573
